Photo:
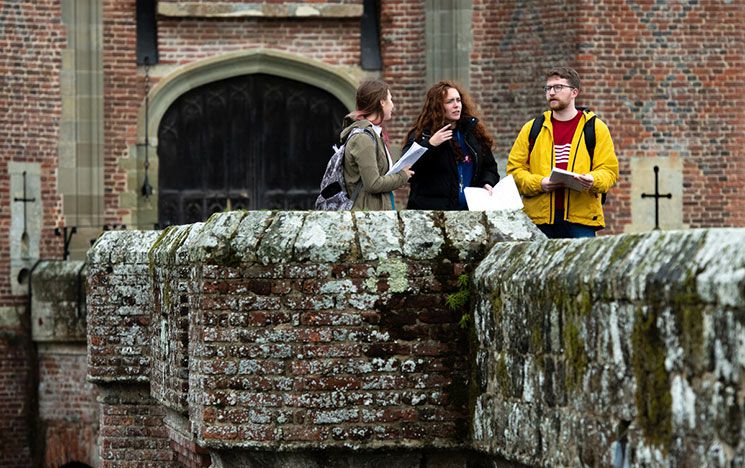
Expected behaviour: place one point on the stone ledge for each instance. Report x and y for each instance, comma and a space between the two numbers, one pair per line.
258, 10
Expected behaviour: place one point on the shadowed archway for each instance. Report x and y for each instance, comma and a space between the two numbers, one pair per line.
254, 142
336, 85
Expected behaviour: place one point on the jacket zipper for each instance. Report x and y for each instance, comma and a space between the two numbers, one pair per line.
574, 161
551, 195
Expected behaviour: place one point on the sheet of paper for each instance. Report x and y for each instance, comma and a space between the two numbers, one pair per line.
566, 178
504, 197
415, 152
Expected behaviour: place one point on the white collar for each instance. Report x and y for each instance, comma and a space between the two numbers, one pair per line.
378, 129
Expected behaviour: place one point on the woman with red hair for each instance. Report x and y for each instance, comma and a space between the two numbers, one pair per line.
458, 150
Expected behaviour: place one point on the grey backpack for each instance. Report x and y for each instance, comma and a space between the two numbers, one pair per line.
334, 196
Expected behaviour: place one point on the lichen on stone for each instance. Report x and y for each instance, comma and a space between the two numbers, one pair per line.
395, 273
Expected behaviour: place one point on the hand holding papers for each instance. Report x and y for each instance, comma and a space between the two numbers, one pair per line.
415, 152
504, 197
567, 178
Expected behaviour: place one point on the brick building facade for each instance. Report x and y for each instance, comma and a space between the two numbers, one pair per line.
666, 77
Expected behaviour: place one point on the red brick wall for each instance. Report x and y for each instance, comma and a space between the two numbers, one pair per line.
133, 432
68, 410
669, 80
31, 103
665, 77
300, 371
513, 44
402, 44
133, 426
30, 100
630, 58
16, 400
124, 91
187, 454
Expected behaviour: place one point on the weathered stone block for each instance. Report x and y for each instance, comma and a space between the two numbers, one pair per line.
58, 307
626, 341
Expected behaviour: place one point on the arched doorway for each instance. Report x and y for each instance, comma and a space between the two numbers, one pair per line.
254, 141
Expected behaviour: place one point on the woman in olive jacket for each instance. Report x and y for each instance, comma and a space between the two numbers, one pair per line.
366, 156
458, 150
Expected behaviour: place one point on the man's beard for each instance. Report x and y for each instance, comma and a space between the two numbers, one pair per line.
558, 105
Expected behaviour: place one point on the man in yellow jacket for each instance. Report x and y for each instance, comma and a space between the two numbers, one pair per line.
557, 210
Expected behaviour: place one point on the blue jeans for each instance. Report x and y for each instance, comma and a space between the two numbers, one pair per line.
565, 230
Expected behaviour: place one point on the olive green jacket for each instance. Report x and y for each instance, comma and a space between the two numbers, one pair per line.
363, 161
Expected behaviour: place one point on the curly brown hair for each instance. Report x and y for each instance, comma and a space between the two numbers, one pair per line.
432, 116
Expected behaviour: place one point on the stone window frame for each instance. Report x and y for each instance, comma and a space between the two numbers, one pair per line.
337, 81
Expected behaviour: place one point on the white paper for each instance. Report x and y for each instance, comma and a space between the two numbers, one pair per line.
504, 197
415, 152
566, 178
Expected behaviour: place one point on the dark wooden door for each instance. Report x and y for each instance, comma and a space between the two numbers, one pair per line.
253, 142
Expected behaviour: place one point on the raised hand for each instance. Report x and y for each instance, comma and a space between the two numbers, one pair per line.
442, 135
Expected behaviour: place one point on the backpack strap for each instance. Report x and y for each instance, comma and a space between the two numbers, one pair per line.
590, 138
535, 129
358, 187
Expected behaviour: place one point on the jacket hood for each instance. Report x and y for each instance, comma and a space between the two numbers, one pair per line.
350, 124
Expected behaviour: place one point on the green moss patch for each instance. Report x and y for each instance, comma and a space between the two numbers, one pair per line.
653, 398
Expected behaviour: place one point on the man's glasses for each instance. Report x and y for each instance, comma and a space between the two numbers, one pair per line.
557, 87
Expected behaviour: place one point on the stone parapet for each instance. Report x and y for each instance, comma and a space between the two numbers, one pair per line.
120, 307
612, 351
308, 330
58, 310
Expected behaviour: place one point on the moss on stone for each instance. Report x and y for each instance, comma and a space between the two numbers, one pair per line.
584, 302
156, 245
173, 244
537, 328
496, 307
574, 355
503, 377
691, 320
622, 248
653, 398
536, 339
689, 311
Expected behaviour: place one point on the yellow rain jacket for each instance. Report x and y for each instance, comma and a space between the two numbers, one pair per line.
529, 169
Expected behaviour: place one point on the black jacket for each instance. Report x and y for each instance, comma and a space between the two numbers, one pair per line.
434, 185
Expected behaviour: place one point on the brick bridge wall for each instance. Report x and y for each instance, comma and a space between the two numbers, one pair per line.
286, 337
287, 332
